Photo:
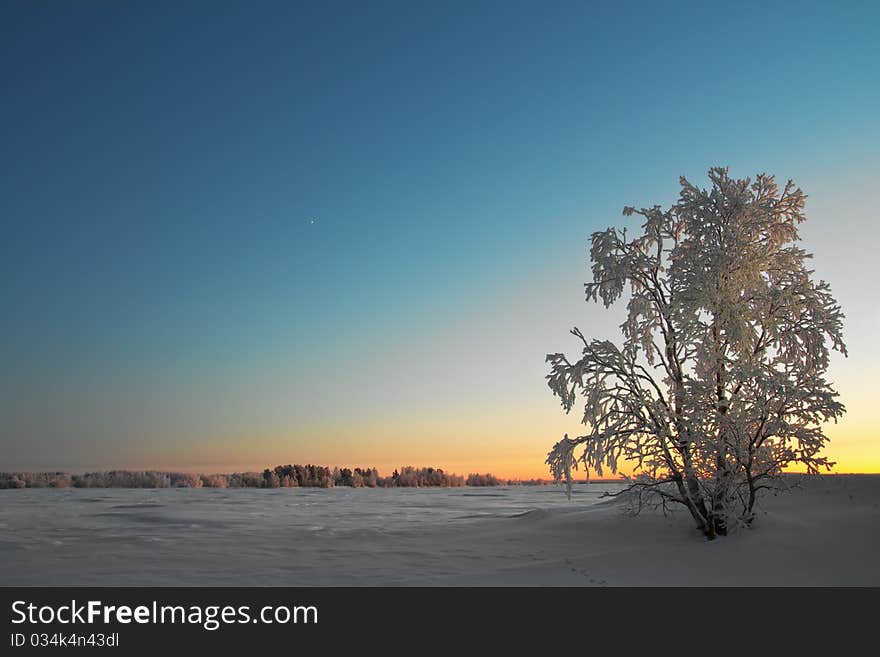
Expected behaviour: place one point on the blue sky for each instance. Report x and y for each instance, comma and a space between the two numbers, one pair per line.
273, 230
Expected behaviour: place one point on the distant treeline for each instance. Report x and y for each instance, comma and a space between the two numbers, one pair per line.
282, 476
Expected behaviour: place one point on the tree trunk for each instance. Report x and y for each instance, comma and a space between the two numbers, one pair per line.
689, 489
693, 507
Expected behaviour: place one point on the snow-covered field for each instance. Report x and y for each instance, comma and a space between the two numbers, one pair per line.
825, 533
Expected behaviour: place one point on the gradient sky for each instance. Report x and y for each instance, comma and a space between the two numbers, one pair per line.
243, 234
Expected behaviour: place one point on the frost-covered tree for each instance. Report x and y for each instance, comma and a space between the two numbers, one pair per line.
719, 383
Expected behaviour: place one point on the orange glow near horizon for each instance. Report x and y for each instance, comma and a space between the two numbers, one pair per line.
515, 450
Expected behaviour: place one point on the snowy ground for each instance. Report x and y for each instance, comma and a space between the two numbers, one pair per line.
825, 533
